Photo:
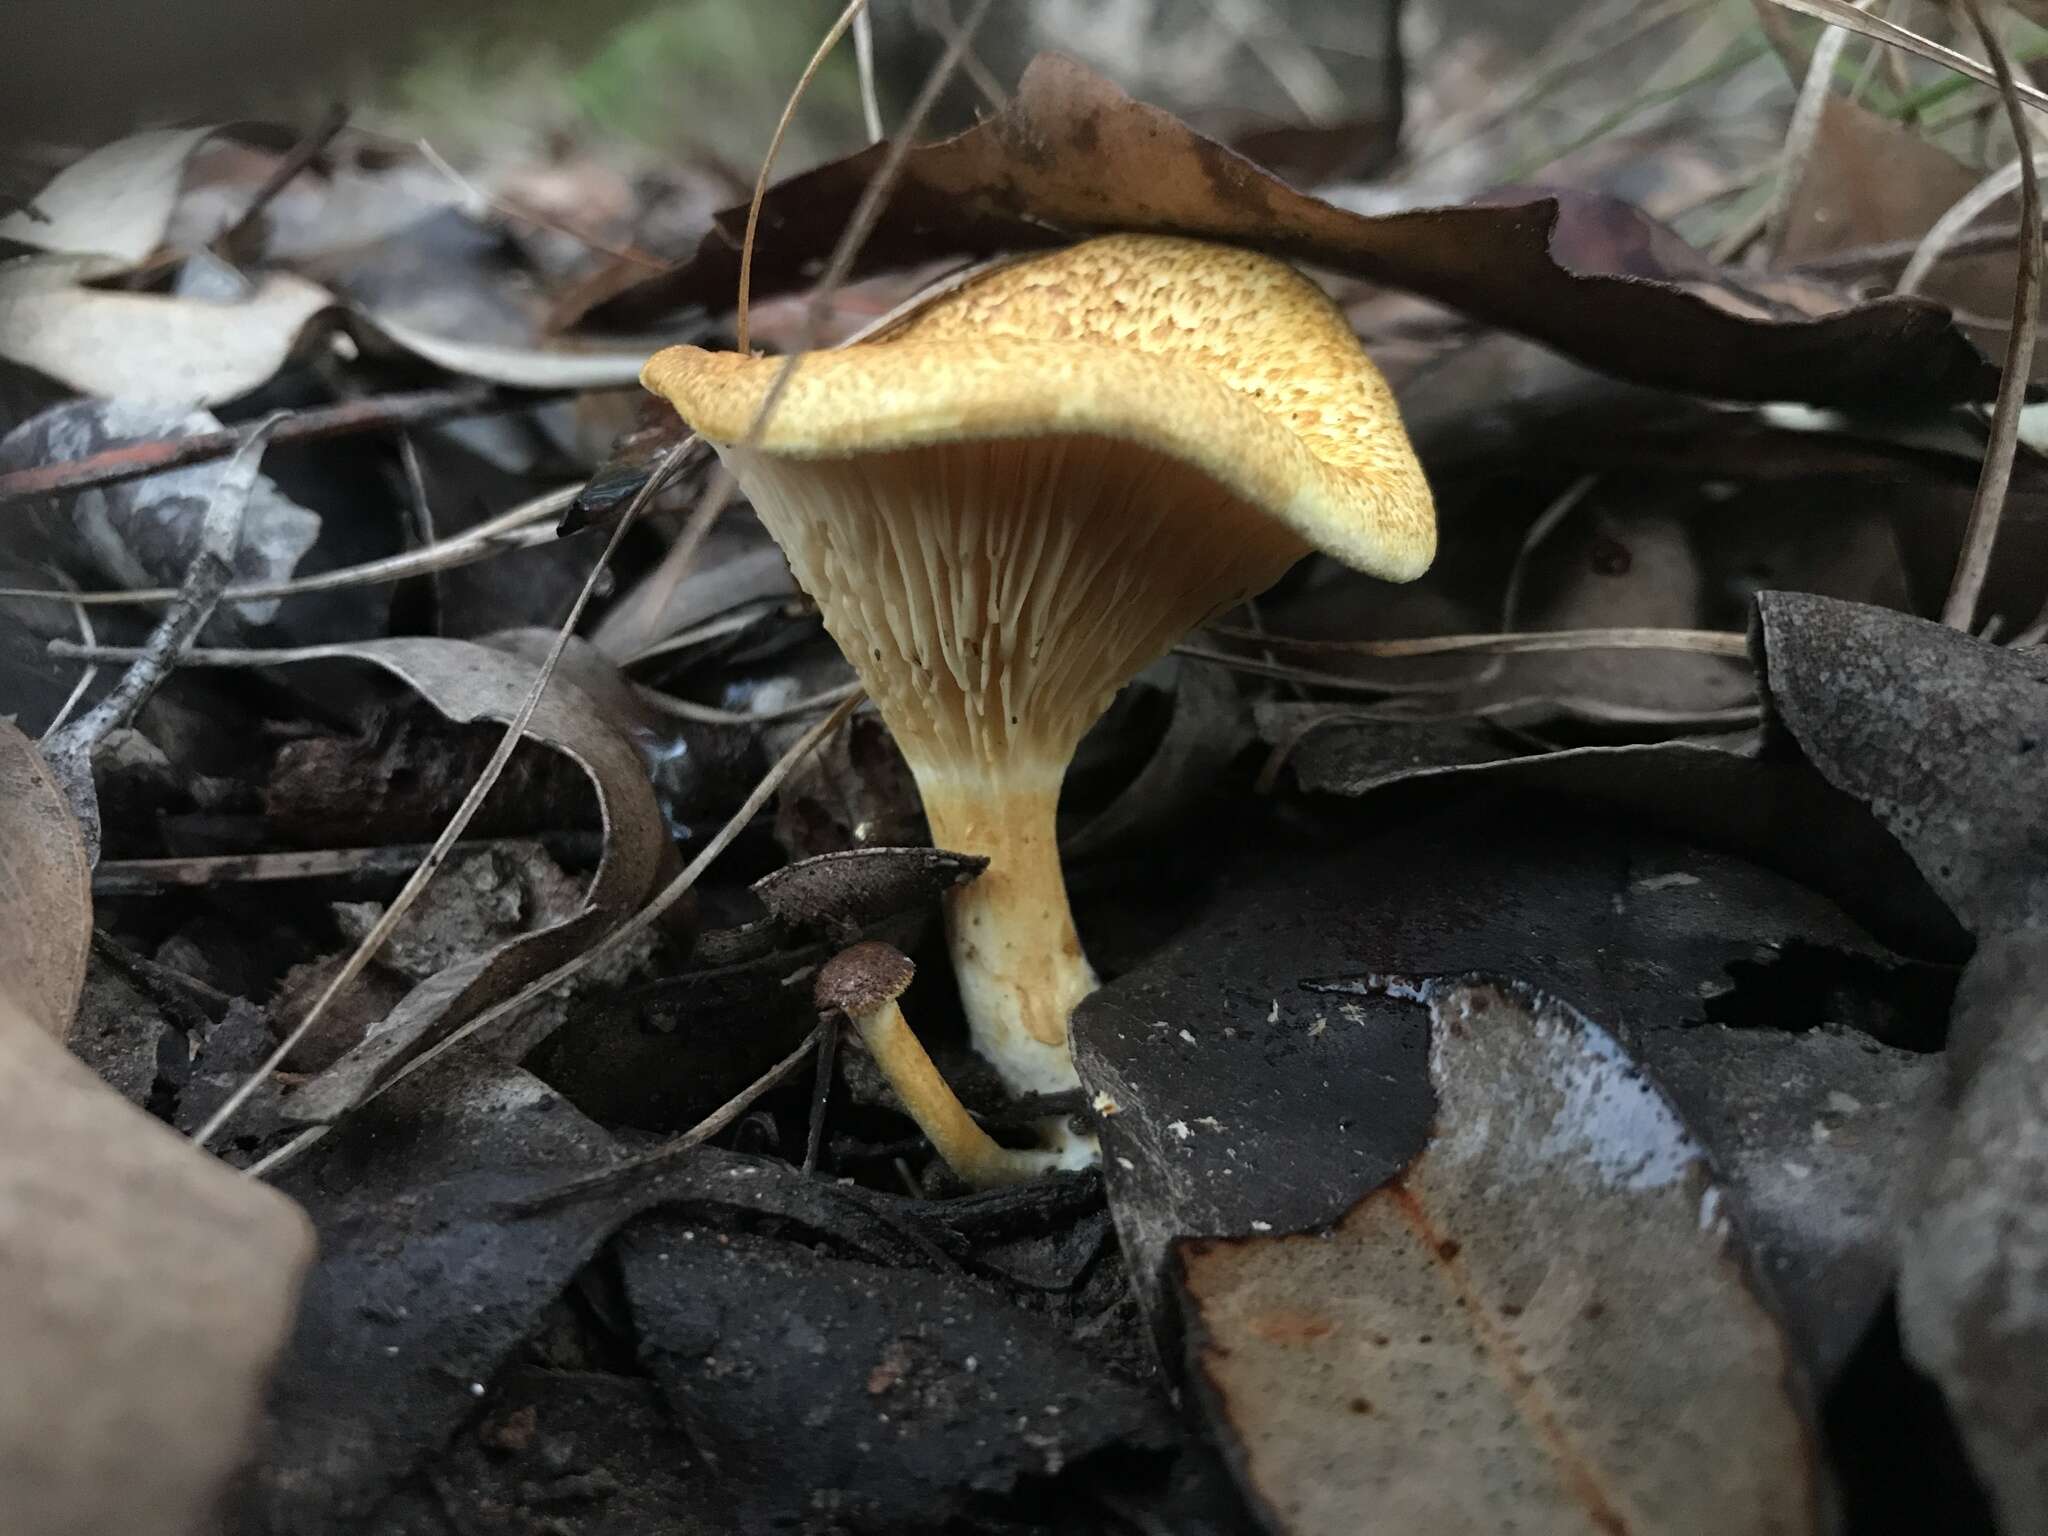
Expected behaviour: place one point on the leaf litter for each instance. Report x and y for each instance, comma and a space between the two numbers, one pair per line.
1652, 810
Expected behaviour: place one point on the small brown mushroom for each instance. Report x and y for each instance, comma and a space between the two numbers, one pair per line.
1025, 493
863, 983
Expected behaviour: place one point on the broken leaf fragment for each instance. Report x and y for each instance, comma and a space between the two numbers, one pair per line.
45, 888
1544, 1323
148, 1290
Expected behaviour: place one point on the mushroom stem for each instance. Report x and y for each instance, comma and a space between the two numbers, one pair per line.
968, 1150
1015, 952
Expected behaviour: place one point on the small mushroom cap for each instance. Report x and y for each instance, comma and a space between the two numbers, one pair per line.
861, 979
1223, 359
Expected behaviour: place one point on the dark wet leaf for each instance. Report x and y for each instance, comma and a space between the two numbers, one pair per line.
1973, 1264
839, 894
1235, 1094
1941, 735
1596, 278
1776, 813
423, 1288
117, 1032
567, 1449
1206, 730
1478, 1344
827, 1390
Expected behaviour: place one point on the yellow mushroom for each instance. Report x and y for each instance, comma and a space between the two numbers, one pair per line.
863, 983
1010, 504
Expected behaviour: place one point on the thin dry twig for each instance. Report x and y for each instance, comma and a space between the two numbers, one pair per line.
374, 940
825, 46
1706, 642
295, 160
683, 709
511, 529
660, 1157
1945, 235
1845, 14
85, 676
220, 538
1802, 137
1981, 533
133, 461
938, 15
143, 877
864, 66
1858, 260
480, 201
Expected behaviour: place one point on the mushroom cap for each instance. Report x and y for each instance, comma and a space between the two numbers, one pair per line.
1226, 360
862, 978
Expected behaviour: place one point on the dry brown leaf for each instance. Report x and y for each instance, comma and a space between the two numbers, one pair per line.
45, 888
1480, 1344
149, 347
116, 201
148, 1290
468, 683
1592, 276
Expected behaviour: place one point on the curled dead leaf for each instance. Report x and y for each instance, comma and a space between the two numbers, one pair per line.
148, 1291
1071, 154
468, 683
45, 888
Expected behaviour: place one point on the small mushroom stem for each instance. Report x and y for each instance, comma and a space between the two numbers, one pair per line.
968, 1149
1015, 952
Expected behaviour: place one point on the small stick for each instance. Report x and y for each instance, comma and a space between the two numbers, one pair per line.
821, 1096
1981, 532
301, 155
825, 46
669, 1151
132, 461
510, 529
147, 877
1706, 642
70, 750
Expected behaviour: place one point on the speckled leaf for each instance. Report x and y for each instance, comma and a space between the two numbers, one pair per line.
1544, 1323
1943, 736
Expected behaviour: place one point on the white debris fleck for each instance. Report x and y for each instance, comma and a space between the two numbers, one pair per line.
1274, 1016
1211, 1122
476, 1389
1844, 1103
973, 1364
1127, 1165
1352, 1012
1180, 1129
1710, 1208
1187, 1036
1322, 1023
1103, 1104
1665, 882
1262, 1226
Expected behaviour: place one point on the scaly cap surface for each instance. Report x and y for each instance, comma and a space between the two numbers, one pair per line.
1228, 361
